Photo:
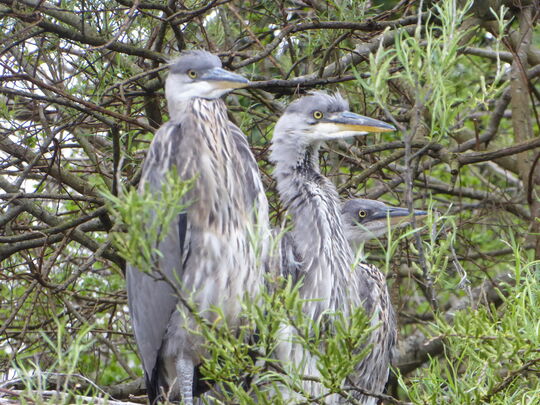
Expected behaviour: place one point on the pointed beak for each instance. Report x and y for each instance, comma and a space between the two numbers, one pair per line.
348, 121
223, 79
398, 215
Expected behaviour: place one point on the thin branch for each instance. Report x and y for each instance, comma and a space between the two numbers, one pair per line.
79, 35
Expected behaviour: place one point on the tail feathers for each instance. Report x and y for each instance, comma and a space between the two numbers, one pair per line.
157, 387
200, 385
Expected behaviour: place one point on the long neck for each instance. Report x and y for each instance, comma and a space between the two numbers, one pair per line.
178, 106
318, 230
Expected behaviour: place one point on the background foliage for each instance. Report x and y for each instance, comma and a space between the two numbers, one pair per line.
81, 94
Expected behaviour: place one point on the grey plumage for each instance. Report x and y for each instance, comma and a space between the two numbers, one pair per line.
209, 252
363, 219
318, 234
196, 60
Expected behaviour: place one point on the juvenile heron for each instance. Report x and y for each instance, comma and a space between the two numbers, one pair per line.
363, 219
209, 252
367, 219
318, 233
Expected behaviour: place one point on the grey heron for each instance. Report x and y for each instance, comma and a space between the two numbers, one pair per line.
318, 233
367, 219
363, 219
209, 251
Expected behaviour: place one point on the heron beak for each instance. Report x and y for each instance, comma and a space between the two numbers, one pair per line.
223, 79
351, 122
398, 215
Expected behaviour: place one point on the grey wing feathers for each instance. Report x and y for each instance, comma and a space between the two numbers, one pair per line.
372, 371
253, 186
290, 261
151, 311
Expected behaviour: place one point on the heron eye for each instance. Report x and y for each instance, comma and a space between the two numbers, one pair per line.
192, 74
362, 214
317, 115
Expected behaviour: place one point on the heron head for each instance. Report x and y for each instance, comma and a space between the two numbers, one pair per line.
367, 219
320, 116
200, 74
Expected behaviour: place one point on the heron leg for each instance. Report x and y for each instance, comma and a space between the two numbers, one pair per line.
184, 371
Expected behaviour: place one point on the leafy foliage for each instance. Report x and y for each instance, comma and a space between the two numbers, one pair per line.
81, 94
491, 355
147, 217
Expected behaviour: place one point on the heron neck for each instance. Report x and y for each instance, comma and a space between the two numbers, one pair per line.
179, 105
318, 230
295, 166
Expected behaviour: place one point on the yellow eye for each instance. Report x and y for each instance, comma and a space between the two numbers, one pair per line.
362, 214
317, 115
192, 74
